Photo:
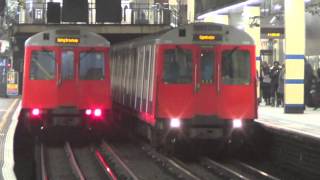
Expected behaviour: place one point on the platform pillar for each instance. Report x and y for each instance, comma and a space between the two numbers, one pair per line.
251, 18
221, 19
294, 16
191, 10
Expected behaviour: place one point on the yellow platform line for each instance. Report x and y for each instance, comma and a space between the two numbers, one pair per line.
4, 118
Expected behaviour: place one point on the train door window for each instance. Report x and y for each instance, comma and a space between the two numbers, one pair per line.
177, 66
42, 65
152, 73
67, 65
146, 72
207, 66
235, 67
141, 76
92, 65
135, 75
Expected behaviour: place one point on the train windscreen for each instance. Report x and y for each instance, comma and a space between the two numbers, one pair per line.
67, 63
42, 65
207, 66
92, 66
236, 67
177, 66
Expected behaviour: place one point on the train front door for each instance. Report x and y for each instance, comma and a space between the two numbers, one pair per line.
205, 85
66, 81
176, 81
236, 81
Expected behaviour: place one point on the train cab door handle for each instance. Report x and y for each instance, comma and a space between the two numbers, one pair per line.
197, 89
59, 80
218, 80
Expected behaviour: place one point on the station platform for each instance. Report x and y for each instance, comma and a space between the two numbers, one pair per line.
306, 124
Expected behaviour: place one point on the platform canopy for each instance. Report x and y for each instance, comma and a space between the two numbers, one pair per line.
205, 6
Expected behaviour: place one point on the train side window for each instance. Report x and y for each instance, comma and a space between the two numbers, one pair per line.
92, 65
67, 63
177, 67
236, 67
42, 65
207, 66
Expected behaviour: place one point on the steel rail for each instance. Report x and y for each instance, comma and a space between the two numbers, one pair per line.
73, 162
114, 154
226, 171
257, 171
44, 173
178, 164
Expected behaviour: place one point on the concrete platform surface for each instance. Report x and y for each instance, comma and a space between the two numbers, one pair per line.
307, 123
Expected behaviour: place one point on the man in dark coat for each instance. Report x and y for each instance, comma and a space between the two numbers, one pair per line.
275, 71
308, 77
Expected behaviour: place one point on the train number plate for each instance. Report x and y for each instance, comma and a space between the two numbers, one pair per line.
63, 121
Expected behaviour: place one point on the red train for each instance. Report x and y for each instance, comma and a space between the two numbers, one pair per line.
66, 80
194, 82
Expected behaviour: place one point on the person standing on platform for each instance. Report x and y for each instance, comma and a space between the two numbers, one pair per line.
280, 95
275, 71
315, 92
265, 82
308, 76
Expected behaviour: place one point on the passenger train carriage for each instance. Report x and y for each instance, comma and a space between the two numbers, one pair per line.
66, 80
197, 81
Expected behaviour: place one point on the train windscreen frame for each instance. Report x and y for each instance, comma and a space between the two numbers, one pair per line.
92, 65
177, 66
42, 65
236, 67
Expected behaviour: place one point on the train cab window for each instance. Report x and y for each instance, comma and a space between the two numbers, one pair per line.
67, 65
207, 66
236, 67
42, 65
92, 66
177, 67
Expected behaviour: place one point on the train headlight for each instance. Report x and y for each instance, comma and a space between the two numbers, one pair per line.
35, 112
237, 123
97, 113
175, 123
88, 112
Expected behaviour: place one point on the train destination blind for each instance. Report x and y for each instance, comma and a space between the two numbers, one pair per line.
207, 37
67, 40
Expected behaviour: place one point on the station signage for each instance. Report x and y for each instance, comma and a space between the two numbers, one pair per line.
12, 83
272, 33
67, 40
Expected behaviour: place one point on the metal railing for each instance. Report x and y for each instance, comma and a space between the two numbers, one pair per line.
132, 13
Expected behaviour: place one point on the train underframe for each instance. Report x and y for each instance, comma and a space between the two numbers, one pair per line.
206, 133
65, 118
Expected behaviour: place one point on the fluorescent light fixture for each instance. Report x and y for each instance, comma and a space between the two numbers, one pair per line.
273, 19
306, 1
277, 7
228, 8
264, 10
241, 27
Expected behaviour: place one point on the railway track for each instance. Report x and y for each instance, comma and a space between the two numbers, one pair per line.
135, 161
234, 169
71, 162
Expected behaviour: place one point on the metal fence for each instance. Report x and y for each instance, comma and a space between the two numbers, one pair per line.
132, 13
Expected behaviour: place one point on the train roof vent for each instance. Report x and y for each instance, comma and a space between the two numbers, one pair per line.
206, 27
67, 32
46, 36
182, 32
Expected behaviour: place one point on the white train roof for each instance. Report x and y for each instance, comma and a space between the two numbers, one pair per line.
210, 33
67, 37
